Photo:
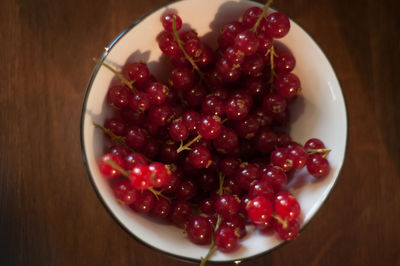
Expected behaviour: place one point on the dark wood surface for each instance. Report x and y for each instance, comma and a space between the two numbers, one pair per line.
49, 212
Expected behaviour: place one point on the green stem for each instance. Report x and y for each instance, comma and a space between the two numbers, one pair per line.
272, 54
213, 247
266, 6
119, 75
117, 167
187, 145
324, 151
179, 42
114, 138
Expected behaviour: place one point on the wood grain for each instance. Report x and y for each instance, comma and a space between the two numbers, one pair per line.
49, 213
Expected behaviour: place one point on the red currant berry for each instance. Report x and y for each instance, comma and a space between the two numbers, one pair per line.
106, 169
317, 165
259, 209
199, 230
286, 206
140, 177
125, 192
226, 239
167, 22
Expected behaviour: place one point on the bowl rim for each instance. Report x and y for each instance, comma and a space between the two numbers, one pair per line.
99, 196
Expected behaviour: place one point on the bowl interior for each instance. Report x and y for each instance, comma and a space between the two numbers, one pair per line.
319, 112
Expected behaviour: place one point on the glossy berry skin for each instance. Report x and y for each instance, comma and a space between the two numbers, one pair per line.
250, 16
246, 175
134, 159
119, 96
265, 140
236, 108
206, 58
253, 65
213, 105
318, 166
180, 212
199, 230
298, 155
288, 232
227, 205
144, 203
247, 42
159, 174
227, 71
237, 223
195, 95
173, 184
227, 141
280, 159
191, 119
275, 176
157, 93
287, 85
229, 165
106, 169
274, 103
135, 137
226, 239
186, 190
116, 125
285, 62
247, 127
161, 208
120, 150
259, 209
125, 193
182, 78
167, 20
137, 72
178, 131
140, 102
169, 47
209, 127
140, 177
160, 114
277, 25
229, 32
261, 187
207, 205
286, 206
265, 42
199, 157
314, 143
234, 56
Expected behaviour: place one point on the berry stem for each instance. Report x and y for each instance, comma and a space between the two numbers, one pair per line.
119, 75
272, 54
283, 222
179, 42
266, 6
158, 193
117, 167
213, 247
324, 151
187, 145
114, 138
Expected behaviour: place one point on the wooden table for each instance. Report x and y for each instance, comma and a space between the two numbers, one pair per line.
49, 213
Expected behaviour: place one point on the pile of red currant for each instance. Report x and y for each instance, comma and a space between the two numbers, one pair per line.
205, 150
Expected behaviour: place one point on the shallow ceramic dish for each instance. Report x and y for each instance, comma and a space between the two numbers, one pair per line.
321, 105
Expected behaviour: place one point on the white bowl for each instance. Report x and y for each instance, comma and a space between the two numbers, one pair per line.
321, 104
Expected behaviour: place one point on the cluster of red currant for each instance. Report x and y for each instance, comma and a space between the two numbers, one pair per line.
204, 151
